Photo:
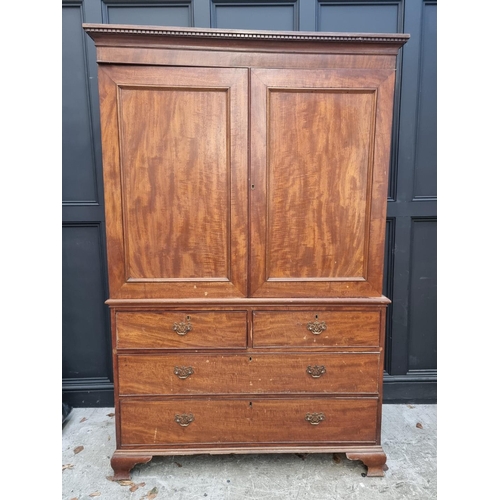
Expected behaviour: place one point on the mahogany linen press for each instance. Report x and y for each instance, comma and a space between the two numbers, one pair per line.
245, 177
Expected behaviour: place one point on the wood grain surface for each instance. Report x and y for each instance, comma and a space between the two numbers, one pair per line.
319, 169
247, 420
155, 330
176, 182
318, 178
251, 373
175, 177
343, 328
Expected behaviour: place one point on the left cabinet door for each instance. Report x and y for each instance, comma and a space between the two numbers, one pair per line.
175, 178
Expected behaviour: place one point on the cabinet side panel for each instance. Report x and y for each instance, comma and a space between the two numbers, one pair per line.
112, 181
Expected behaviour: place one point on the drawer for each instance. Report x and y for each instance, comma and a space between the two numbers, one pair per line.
212, 421
316, 328
180, 329
248, 374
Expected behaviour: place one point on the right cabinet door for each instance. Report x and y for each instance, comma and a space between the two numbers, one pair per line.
320, 146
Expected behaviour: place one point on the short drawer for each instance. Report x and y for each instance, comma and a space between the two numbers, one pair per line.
181, 329
185, 374
316, 329
213, 421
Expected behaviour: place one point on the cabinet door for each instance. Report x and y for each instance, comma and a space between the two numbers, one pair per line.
320, 145
175, 174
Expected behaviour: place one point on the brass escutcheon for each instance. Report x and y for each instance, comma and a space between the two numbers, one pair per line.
183, 327
184, 419
315, 418
316, 371
316, 327
183, 371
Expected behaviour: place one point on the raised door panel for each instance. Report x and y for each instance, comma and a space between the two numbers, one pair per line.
425, 182
320, 156
79, 168
258, 15
152, 13
176, 181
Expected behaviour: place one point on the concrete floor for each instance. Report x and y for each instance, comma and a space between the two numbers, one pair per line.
410, 449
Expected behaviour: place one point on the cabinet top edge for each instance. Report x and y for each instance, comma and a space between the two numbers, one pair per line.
96, 31
362, 301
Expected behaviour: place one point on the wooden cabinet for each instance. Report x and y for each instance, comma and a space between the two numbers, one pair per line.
245, 180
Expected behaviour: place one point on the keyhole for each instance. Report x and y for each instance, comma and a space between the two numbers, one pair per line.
316, 316
189, 317
249, 359
250, 404
253, 186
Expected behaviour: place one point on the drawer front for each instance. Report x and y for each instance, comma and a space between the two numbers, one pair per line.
248, 421
248, 374
316, 329
181, 329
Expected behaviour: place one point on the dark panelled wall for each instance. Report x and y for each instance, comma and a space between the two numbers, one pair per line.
410, 279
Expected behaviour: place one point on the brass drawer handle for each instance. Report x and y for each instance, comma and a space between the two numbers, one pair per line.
183, 327
184, 419
183, 371
315, 418
316, 327
316, 371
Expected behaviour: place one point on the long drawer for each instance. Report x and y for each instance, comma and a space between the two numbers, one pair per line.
181, 329
197, 421
251, 373
316, 329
